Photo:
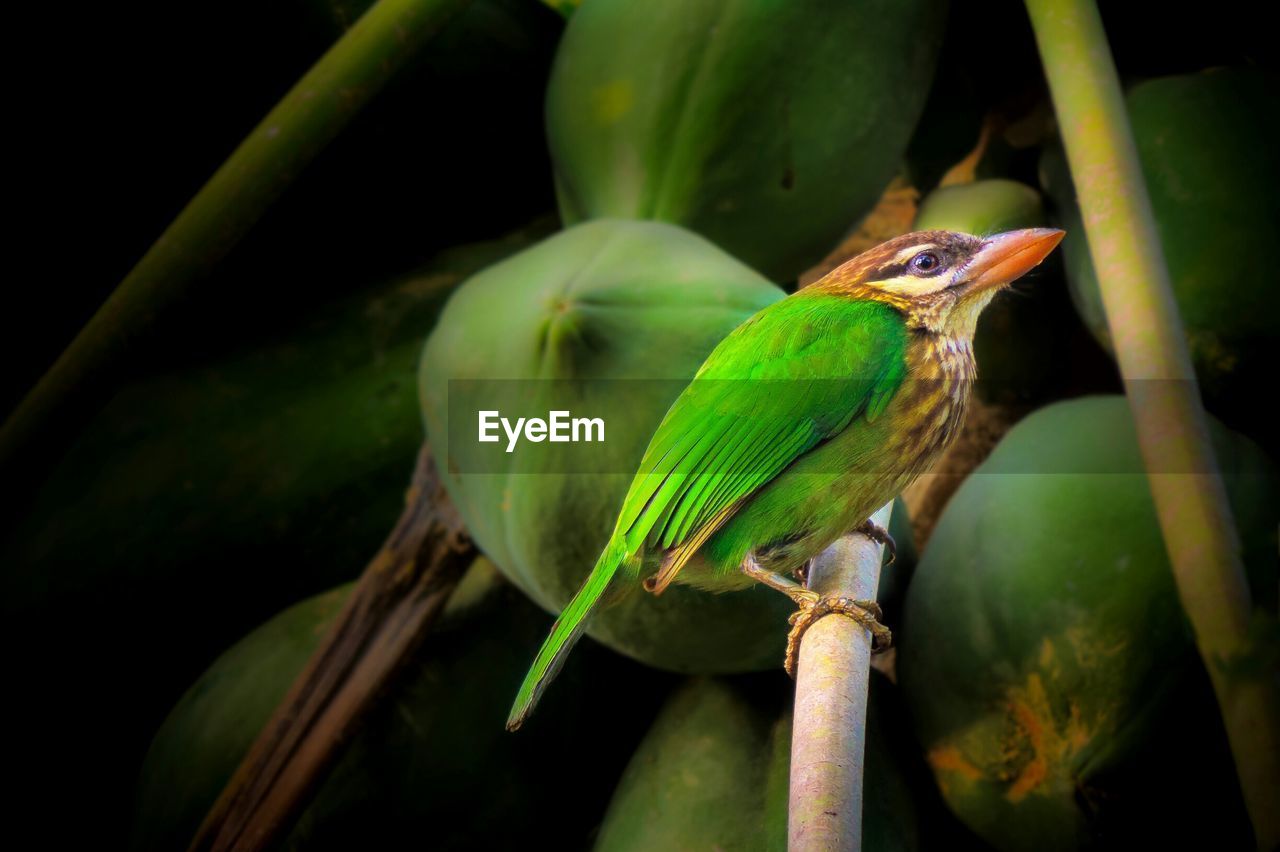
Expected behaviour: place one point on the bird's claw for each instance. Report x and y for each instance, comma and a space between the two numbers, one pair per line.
866, 613
879, 535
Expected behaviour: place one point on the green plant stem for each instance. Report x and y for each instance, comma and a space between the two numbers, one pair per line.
327, 97
829, 735
1151, 349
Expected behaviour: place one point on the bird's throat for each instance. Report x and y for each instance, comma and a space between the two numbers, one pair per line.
962, 321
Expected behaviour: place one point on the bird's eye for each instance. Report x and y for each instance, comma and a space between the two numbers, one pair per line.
925, 263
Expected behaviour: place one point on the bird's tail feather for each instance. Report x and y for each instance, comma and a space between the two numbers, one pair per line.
565, 633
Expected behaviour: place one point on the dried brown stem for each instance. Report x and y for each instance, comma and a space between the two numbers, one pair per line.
390, 611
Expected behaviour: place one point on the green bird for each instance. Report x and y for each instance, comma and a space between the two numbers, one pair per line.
802, 422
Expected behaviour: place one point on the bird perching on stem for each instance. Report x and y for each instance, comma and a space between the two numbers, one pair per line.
802, 422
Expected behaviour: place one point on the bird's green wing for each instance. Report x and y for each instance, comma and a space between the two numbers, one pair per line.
793, 376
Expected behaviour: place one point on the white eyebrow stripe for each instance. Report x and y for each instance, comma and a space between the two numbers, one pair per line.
910, 285
910, 252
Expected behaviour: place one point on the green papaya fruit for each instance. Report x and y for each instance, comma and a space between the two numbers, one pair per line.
199, 745
608, 319
200, 501
768, 128
982, 207
433, 763
1207, 142
1045, 657
1022, 335
712, 773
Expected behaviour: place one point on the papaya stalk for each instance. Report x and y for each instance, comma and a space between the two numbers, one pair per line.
384, 620
1151, 349
298, 128
829, 736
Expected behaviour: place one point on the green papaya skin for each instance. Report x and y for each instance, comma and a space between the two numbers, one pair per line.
1048, 667
611, 305
712, 773
1208, 144
198, 502
769, 128
433, 762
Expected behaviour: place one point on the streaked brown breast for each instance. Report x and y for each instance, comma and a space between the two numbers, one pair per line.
933, 399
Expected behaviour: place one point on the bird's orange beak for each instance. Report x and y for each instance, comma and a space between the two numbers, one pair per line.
1006, 257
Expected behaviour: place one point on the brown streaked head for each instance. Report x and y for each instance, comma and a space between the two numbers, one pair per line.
941, 280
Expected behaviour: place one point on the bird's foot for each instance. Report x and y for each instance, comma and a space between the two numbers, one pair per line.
866, 613
880, 535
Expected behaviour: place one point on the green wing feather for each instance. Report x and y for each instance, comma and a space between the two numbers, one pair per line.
792, 376
795, 375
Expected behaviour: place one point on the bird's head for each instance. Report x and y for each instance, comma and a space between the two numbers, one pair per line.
941, 280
